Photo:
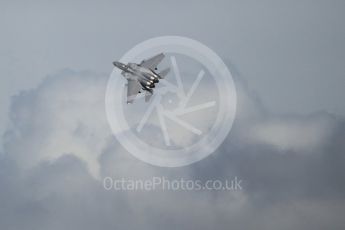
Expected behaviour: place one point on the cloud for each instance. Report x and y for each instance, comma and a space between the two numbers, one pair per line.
64, 115
298, 134
59, 144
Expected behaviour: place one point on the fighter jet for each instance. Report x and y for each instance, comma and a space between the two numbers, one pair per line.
142, 77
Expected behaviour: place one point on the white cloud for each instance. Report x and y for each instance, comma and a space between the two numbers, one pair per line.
294, 134
64, 115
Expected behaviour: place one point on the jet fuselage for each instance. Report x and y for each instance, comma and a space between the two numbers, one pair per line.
133, 71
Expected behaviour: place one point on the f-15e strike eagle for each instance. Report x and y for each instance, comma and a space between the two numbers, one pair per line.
142, 77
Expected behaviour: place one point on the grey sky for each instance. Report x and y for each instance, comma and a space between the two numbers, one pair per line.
291, 52
288, 60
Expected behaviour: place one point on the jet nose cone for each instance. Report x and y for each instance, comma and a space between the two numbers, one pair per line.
116, 63
120, 65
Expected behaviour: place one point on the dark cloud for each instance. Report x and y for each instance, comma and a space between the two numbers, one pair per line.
59, 137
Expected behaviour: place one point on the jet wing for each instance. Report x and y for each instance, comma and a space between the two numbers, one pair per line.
152, 62
133, 88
